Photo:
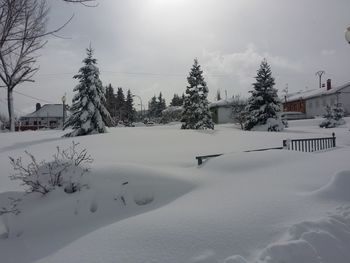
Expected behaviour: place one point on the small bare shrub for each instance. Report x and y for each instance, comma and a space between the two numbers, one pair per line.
65, 170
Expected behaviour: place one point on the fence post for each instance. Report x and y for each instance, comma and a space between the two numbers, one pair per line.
286, 144
333, 137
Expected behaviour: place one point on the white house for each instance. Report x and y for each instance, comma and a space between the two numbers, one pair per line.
224, 111
47, 116
313, 102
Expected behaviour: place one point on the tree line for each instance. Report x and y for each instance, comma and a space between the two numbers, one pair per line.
121, 108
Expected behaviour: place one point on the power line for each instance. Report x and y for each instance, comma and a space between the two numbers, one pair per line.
31, 97
133, 74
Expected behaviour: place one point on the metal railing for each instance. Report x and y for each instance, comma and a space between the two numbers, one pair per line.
311, 144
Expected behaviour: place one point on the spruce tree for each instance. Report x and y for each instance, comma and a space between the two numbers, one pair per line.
88, 112
338, 112
120, 104
129, 107
196, 114
152, 107
161, 105
110, 100
176, 100
264, 103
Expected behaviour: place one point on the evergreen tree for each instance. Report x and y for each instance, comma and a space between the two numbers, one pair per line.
161, 105
196, 114
264, 103
120, 104
152, 107
176, 100
89, 114
338, 112
333, 116
110, 100
129, 107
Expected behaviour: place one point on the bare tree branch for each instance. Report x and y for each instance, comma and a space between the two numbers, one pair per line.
83, 2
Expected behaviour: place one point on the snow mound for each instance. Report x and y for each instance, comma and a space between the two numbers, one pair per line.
337, 188
115, 192
325, 240
235, 259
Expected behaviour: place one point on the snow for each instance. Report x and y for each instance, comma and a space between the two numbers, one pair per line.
307, 94
47, 110
267, 207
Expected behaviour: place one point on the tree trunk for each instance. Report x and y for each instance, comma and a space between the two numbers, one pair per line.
11, 109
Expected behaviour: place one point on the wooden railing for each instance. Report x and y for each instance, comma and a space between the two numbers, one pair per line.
311, 144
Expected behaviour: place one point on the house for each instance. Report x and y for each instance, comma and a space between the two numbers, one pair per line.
312, 103
48, 116
225, 110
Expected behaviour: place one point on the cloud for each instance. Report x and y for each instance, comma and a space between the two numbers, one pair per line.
243, 65
327, 52
238, 69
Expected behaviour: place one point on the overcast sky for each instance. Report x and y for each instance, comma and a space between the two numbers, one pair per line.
148, 46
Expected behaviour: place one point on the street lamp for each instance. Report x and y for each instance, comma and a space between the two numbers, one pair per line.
347, 35
140, 102
64, 110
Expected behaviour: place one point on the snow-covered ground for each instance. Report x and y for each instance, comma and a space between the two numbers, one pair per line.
148, 201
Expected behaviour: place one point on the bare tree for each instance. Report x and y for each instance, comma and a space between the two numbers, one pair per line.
22, 30
22, 27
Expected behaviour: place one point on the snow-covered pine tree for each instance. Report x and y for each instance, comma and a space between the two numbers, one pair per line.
196, 114
264, 103
88, 112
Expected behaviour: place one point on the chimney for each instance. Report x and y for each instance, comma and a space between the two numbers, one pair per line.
37, 106
329, 84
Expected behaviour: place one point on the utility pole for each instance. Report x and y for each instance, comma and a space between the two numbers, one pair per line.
319, 74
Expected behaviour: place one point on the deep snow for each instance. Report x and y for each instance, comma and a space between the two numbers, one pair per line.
272, 206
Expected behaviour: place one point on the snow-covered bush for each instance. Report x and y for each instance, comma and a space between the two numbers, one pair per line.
65, 170
333, 116
172, 113
273, 125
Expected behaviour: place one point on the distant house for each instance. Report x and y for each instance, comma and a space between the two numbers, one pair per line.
48, 116
224, 111
312, 103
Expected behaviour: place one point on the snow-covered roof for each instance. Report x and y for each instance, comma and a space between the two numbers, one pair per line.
307, 94
47, 110
224, 102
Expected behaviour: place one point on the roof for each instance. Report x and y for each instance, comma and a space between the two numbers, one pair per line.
226, 102
308, 94
47, 110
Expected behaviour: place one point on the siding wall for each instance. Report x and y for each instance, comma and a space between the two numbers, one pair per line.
316, 106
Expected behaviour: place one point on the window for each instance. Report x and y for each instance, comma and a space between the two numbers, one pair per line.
324, 102
310, 104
